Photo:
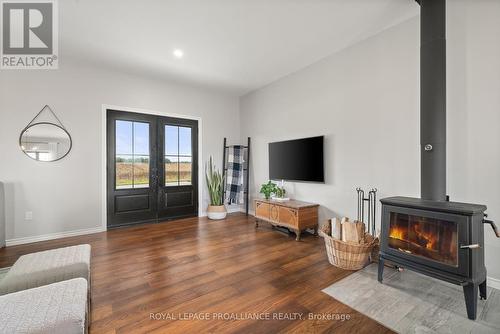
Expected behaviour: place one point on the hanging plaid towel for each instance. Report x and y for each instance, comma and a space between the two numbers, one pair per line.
234, 175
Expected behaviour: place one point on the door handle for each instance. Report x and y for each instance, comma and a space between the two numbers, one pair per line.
154, 180
473, 246
154, 176
493, 226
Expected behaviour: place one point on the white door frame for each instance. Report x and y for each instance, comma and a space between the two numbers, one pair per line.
104, 149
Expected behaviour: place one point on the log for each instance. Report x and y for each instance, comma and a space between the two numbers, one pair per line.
336, 229
350, 232
360, 229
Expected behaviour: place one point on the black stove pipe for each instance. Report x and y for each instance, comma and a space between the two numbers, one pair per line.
433, 99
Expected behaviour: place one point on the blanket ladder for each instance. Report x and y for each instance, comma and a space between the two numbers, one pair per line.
246, 170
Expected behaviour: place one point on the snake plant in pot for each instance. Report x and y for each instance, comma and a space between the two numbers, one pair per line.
215, 184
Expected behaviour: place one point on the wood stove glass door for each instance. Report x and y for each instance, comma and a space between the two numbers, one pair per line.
431, 238
427, 237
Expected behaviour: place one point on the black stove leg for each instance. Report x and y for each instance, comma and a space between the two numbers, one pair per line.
470, 293
380, 269
482, 290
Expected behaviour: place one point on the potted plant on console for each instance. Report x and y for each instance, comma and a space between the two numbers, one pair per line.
215, 184
268, 189
273, 191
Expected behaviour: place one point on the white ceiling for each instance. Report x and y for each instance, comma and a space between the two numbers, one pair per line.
233, 45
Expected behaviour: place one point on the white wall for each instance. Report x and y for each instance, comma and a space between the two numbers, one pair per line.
67, 195
473, 41
365, 100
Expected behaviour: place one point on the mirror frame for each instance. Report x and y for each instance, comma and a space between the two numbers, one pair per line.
48, 123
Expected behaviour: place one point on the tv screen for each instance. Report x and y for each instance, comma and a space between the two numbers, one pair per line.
297, 160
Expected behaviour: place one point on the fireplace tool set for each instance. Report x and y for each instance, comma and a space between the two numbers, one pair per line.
371, 200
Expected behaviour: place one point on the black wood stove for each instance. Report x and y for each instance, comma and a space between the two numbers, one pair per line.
444, 240
431, 235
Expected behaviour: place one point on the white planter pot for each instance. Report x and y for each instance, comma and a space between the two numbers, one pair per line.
216, 212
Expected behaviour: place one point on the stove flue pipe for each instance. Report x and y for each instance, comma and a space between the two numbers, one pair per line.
433, 99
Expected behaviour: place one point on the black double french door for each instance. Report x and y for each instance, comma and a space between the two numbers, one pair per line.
152, 168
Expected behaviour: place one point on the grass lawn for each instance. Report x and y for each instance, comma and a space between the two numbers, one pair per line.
140, 172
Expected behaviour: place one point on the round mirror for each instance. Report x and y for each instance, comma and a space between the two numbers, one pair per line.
45, 142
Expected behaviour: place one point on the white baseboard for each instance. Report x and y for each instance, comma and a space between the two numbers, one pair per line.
52, 236
493, 283
235, 208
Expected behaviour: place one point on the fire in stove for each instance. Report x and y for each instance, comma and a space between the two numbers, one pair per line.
422, 238
397, 232
426, 239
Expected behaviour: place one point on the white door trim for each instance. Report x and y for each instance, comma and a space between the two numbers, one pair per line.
104, 157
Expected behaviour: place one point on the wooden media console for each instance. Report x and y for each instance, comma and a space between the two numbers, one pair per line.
294, 215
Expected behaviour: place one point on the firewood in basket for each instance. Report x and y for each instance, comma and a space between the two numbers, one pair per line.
350, 232
336, 229
360, 230
326, 228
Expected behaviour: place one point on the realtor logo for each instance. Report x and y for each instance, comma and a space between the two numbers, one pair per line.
29, 34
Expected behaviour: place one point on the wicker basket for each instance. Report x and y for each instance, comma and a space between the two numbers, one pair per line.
375, 251
347, 255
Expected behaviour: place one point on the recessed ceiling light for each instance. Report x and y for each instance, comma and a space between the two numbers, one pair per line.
178, 53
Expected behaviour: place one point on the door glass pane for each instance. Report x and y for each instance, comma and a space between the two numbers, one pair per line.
432, 238
178, 155
185, 170
184, 141
141, 138
171, 170
171, 140
123, 137
141, 171
132, 154
124, 172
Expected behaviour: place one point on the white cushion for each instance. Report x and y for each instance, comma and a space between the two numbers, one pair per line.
58, 308
55, 265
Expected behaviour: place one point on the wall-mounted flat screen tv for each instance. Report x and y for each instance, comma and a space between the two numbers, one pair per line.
297, 160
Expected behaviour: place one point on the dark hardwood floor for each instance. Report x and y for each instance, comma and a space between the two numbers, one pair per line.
195, 266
